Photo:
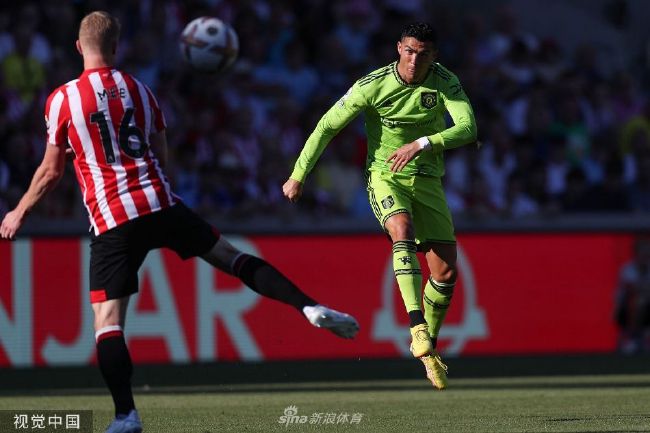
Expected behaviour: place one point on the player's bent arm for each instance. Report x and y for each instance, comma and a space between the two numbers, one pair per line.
158, 143
464, 130
47, 175
336, 118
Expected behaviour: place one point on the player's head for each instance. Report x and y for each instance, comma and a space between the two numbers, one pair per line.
423, 32
99, 32
417, 48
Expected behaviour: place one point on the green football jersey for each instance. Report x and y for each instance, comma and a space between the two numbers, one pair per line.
397, 113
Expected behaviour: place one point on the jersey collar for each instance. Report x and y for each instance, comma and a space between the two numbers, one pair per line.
90, 71
404, 83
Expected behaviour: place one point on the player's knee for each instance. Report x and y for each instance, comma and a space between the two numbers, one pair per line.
222, 255
103, 321
108, 314
446, 275
400, 227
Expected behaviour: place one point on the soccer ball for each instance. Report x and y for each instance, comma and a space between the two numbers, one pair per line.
209, 44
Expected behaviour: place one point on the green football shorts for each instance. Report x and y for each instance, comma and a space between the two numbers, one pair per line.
420, 196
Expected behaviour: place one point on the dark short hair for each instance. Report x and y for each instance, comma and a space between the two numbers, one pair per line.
423, 32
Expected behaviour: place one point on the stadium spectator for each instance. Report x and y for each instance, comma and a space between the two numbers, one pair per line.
517, 203
571, 126
557, 166
24, 75
611, 194
354, 27
639, 191
497, 162
23, 29
574, 197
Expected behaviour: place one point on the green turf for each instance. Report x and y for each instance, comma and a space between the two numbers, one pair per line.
613, 403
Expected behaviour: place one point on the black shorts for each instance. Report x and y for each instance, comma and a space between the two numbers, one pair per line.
117, 254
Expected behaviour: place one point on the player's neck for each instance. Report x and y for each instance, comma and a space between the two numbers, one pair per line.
401, 70
96, 61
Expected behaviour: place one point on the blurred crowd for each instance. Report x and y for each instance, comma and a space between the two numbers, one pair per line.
560, 132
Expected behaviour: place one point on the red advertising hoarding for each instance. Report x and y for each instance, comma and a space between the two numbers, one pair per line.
517, 294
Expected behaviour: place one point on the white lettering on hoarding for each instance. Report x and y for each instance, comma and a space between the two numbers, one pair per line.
16, 337
164, 322
229, 306
79, 351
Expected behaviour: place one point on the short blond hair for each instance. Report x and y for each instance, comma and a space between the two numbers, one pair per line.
99, 31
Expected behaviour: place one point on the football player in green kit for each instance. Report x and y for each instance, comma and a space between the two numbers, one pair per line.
404, 105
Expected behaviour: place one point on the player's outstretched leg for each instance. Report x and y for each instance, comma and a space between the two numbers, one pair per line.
265, 279
341, 324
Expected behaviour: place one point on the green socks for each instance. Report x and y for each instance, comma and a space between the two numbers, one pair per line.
437, 297
408, 274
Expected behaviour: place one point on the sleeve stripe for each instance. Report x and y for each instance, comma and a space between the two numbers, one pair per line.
159, 119
53, 117
370, 79
376, 73
438, 70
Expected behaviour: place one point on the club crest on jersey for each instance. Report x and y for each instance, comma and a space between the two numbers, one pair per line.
429, 99
388, 202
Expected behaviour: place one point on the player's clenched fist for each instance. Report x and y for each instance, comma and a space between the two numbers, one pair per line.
292, 189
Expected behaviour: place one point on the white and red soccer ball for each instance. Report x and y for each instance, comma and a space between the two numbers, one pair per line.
209, 44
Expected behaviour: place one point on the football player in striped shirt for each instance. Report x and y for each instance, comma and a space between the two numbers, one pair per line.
404, 104
115, 129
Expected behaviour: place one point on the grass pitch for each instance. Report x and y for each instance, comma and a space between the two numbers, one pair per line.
612, 403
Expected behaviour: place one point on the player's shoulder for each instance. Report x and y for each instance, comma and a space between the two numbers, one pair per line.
121, 76
375, 77
127, 76
62, 87
141, 86
442, 73
60, 92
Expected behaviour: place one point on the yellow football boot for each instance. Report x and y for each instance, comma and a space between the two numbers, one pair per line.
436, 370
421, 341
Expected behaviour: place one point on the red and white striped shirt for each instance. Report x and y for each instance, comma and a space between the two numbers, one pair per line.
106, 116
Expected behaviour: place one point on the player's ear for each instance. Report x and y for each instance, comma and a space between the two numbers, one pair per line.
399, 47
78, 45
